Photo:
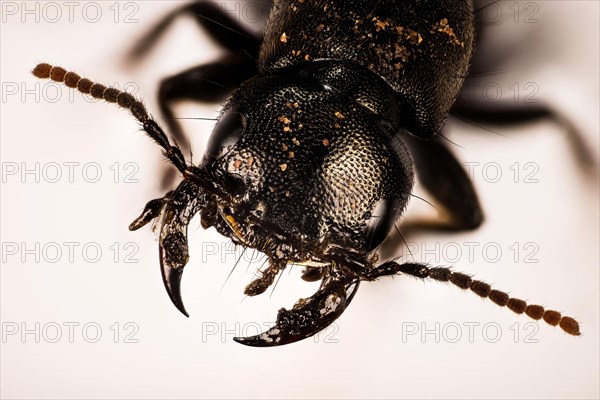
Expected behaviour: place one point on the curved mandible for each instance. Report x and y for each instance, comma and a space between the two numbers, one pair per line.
179, 209
308, 316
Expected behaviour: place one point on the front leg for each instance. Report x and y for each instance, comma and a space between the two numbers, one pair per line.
206, 83
445, 179
228, 32
510, 116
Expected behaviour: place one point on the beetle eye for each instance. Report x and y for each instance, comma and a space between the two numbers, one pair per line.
225, 135
380, 221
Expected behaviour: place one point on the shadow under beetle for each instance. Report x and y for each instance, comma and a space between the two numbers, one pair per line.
313, 158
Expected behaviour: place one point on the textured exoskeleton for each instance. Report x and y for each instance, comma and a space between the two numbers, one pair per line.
313, 158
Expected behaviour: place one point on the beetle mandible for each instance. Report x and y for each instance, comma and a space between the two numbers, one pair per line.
313, 158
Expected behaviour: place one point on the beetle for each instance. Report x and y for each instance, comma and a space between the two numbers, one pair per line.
314, 155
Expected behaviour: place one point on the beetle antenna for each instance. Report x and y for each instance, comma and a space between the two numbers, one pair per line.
123, 99
482, 289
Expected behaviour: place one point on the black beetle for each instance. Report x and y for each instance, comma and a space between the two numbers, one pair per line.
313, 158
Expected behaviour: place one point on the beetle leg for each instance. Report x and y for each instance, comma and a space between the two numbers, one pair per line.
502, 116
222, 27
308, 316
180, 208
446, 180
209, 83
152, 210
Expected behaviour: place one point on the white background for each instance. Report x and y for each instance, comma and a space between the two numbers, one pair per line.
370, 351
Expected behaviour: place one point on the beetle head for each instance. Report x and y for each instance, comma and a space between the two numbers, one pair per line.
313, 162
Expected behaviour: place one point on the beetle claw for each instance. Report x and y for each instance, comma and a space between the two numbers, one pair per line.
308, 316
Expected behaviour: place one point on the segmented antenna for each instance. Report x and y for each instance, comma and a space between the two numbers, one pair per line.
123, 99
482, 289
